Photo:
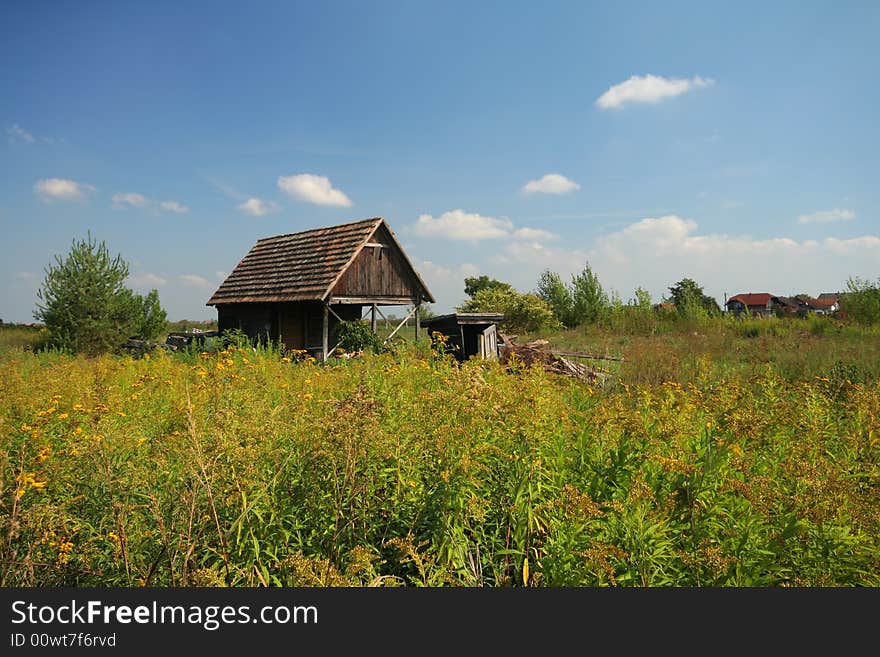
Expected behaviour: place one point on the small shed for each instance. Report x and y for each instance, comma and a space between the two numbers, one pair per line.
468, 334
296, 288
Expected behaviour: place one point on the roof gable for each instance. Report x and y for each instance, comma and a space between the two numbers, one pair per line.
300, 266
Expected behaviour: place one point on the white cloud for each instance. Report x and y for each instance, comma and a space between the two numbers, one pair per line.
130, 199
826, 216
446, 283
17, 133
461, 225
649, 89
527, 259
257, 207
534, 234
147, 280
61, 189
135, 200
313, 189
174, 206
194, 280
657, 252
552, 183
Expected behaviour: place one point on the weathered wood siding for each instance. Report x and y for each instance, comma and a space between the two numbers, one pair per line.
378, 272
293, 325
259, 321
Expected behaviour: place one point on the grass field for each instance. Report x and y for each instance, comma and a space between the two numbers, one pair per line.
725, 454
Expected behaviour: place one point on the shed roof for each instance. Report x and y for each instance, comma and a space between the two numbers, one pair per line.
301, 266
464, 318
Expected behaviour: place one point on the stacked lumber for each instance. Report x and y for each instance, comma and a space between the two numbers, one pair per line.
559, 362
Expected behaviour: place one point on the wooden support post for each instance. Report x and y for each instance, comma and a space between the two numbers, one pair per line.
325, 333
373, 318
418, 321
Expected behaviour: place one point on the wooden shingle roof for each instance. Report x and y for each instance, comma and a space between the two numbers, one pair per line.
299, 266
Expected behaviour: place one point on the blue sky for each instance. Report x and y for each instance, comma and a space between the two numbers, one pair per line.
733, 143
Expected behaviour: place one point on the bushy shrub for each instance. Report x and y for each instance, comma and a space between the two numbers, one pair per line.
522, 312
861, 302
356, 335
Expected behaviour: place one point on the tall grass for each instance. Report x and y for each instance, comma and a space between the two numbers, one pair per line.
243, 468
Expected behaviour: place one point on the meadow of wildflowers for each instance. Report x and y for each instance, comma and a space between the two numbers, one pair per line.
251, 468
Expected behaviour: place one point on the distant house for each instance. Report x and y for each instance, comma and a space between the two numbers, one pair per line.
755, 304
790, 306
825, 304
296, 288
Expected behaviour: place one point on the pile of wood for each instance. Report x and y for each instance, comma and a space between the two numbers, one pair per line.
559, 362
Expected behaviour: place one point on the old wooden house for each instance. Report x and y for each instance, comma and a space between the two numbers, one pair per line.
296, 288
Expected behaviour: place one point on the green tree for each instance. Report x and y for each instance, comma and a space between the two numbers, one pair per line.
474, 284
552, 290
85, 305
522, 312
642, 300
690, 300
149, 320
590, 302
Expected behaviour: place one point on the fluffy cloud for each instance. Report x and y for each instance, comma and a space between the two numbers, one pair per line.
146, 280
523, 262
61, 189
660, 251
826, 216
135, 200
174, 206
648, 89
194, 280
552, 183
446, 283
313, 189
130, 199
17, 133
461, 225
534, 234
470, 226
257, 207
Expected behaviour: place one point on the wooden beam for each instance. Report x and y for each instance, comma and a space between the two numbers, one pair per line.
365, 301
382, 315
418, 321
334, 313
373, 318
402, 324
325, 337
376, 244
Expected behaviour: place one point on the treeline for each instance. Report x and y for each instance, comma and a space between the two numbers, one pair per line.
556, 304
